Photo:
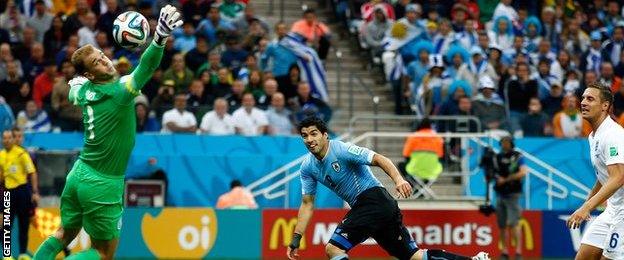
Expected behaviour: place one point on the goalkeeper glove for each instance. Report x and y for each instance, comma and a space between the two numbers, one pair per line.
169, 19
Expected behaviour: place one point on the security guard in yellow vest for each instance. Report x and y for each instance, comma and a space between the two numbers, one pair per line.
17, 167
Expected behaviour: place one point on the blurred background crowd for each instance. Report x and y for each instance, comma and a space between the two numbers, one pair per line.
518, 66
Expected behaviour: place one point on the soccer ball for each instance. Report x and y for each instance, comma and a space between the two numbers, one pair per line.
130, 30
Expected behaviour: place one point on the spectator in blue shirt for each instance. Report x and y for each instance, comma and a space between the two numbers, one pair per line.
209, 26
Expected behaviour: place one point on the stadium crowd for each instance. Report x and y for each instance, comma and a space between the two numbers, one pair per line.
223, 72
518, 66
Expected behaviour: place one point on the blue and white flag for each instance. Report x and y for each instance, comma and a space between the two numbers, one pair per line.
312, 69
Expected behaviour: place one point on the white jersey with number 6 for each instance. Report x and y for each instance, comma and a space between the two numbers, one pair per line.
607, 148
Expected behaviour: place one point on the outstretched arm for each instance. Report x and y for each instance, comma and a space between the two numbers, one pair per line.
169, 19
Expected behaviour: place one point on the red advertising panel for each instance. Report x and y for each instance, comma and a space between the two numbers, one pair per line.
462, 231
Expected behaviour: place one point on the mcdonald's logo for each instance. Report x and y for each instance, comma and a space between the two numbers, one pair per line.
287, 227
527, 235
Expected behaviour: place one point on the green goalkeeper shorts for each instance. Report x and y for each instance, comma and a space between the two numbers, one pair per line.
94, 201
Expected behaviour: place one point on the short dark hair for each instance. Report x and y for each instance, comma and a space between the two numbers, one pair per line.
425, 123
313, 121
605, 92
235, 183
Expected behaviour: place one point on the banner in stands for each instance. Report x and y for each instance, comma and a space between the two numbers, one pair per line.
463, 231
168, 233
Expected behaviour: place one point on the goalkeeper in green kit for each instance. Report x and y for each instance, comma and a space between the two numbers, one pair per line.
92, 197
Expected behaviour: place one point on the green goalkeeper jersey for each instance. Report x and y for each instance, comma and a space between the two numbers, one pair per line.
108, 115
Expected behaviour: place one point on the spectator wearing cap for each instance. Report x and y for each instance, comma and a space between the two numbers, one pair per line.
164, 98
186, 41
612, 48
607, 77
178, 119
502, 33
569, 123
213, 23
270, 88
235, 97
279, 117
316, 33
43, 85
518, 92
535, 123
249, 120
234, 55
40, 20
181, 75
488, 105
218, 121
369, 8
592, 58
68, 116
477, 68
544, 78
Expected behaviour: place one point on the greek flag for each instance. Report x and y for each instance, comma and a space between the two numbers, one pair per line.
312, 70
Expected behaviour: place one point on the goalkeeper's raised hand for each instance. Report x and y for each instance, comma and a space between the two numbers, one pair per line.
169, 19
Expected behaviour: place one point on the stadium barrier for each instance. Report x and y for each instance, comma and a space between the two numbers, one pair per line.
194, 233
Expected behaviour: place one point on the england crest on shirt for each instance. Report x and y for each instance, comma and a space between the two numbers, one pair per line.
336, 166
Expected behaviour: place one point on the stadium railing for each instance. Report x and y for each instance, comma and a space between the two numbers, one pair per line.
275, 184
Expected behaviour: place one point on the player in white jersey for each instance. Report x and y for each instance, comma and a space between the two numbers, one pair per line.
602, 239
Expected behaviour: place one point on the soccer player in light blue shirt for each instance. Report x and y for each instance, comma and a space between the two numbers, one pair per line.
345, 169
